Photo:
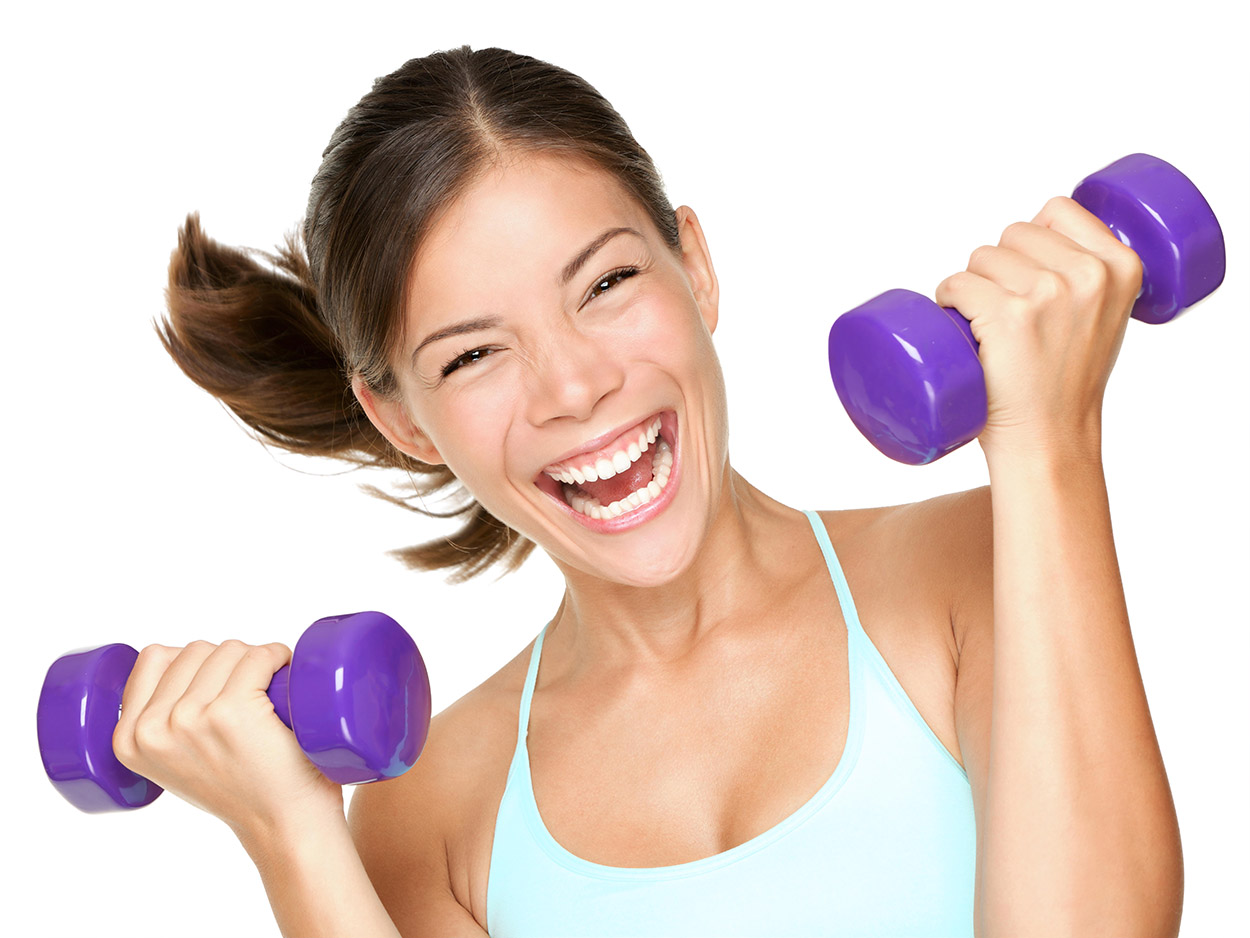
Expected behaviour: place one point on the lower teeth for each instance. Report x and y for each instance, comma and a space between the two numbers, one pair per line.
662, 467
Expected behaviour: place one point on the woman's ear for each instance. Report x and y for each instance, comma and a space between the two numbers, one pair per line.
697, 261
394, 423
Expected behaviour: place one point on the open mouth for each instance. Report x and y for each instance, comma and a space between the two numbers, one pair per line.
620, 484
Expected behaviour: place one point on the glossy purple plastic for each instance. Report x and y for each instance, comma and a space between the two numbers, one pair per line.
906, 370
77, 714
906, 384
1154, 209
356, 694
360, 697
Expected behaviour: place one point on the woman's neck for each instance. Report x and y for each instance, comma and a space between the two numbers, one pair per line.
607, 628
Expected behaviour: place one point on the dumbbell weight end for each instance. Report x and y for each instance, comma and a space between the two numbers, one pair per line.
908, 387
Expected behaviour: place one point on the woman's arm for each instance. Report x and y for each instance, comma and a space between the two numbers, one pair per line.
1077, 833
197, 721
316, 882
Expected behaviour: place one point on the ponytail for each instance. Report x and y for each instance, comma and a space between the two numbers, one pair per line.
244, 326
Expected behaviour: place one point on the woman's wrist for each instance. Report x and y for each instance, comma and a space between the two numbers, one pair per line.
1057, 451
281, 838
314, 878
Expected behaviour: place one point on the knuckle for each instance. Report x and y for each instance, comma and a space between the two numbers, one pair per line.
980, 256
234, 645
1014, 231
1017, 308
1058, 204
201, 646
1136, 274
183, 716
951, 285
123, 744
1127, 260
157, 653
1089, 274
221, 718
257, 653
1048, 285
150, 733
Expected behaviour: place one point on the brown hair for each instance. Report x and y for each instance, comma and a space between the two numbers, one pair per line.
278, 337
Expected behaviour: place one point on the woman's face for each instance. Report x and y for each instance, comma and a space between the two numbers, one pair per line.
549, 332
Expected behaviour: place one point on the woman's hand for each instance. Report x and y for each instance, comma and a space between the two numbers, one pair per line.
1049, 305
197, 721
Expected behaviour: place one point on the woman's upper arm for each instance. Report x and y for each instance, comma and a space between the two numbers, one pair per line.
971, 551
398, 829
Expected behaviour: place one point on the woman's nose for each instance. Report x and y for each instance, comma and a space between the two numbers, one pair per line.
572, 375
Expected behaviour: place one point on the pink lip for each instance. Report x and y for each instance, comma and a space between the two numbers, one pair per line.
601, 442
640, 515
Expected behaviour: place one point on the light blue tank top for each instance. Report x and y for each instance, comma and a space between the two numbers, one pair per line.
887, 846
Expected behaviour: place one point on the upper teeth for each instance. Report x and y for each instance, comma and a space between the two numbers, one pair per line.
605, 467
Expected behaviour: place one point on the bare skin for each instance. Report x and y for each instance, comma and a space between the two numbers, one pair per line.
731, 770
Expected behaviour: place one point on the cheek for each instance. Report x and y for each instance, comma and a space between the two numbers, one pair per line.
469, 432
663, 327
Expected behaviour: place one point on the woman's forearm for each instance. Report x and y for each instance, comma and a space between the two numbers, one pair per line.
317, 884
1080, 829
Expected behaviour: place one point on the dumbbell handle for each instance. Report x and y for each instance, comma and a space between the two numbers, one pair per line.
279, 694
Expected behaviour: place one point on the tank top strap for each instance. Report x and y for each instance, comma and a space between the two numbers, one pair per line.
531, 677
849, 614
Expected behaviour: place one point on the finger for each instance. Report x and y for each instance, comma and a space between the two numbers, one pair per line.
974, 297
173, 683
1070, 219
207, 682
1013, 271
254, 670
148, 669
1047, 248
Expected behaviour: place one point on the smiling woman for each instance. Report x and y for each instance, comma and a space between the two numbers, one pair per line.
710, 736
276, 337
593, 322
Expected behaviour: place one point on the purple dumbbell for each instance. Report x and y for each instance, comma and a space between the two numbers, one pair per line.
907, 370
356, 693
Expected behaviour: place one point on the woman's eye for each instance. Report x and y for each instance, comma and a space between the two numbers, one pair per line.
602, 285
609, 280
466, 358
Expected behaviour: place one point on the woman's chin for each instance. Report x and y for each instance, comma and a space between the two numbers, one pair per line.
652, 566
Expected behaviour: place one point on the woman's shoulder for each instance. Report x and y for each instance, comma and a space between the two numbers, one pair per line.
910, 567
435, 816
915, 560
471, 741
913, 531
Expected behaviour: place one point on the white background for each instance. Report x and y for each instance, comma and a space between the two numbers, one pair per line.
831, 154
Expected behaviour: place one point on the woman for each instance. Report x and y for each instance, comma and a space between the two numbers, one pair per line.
742, 718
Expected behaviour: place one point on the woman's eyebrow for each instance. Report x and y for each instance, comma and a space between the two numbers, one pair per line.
460, 328
573, 266
490, 322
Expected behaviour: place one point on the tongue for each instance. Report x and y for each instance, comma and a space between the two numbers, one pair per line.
621, 485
